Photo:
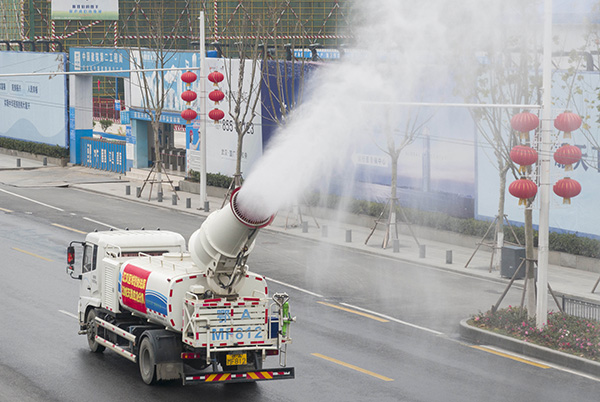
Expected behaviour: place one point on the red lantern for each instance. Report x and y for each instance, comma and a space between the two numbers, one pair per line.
523, 189
216, 96
189, 96
188, 115
567, 122
215, 77
216, 114
524, 122
188, 77
524, 156
567, 155
567, 188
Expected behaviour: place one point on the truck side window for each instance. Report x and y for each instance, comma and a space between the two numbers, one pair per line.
89, 257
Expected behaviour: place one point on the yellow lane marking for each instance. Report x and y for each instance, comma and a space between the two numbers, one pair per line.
68, 228
373, 317
510, 357
32, 254
350, 366
5, 210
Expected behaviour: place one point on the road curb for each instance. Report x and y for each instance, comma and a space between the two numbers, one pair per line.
483, 337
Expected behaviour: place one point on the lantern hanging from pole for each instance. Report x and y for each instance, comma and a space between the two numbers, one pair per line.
523, 189
189, 96
523, 156
216, 96
215, 77
188, 77
188, 115
567, 155
567, 188
567, 122
523, 123
216, 114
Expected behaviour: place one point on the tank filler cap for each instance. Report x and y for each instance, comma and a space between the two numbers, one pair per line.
197, 289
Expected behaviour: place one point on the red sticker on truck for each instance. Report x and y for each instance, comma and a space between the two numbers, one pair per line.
133, 287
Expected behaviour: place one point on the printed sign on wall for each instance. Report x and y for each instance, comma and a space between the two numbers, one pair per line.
85, 10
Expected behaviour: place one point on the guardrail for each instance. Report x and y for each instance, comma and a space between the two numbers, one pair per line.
580, 308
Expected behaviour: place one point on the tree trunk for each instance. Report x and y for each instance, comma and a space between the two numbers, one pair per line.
394, 198
530, 302
500, 220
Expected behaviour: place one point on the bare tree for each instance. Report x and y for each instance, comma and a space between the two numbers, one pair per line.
509, 75
397, 139
243, 91
154, 87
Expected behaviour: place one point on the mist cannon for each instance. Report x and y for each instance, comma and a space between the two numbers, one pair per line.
224, 242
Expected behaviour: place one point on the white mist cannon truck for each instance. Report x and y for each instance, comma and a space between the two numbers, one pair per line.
199, 315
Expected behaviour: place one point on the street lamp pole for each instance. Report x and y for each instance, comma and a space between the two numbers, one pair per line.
203, 115
543, 249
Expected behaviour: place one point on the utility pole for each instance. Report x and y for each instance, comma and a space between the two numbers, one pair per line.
544, 160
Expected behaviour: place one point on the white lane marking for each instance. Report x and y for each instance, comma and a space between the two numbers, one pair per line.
100, 223
69, 314
293, 287
387, 317
32, 200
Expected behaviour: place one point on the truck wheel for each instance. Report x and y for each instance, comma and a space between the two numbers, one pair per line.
92, 331
146, 362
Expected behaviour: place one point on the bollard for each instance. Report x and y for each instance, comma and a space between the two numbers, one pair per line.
160, 196
128, 190
45, 161
448, 256
188, 202
396, 245
206, 206
18, 162
174, 199
138, 192
304, 227
348, 236
324, 231
421, 251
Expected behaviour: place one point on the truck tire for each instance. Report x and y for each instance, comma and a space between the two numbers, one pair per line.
92, 331
147, 362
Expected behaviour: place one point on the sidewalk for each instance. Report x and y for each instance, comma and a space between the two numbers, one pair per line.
564, 281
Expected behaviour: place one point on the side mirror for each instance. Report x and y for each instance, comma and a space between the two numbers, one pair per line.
71, 255
71, 262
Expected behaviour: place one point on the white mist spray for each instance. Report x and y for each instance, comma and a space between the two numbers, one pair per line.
400, 45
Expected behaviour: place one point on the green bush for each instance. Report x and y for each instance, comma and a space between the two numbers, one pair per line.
54, 151
212, 179
105, 123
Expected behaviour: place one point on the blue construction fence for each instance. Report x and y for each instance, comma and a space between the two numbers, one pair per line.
103, 154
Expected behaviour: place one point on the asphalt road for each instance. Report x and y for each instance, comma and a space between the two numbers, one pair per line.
369, 328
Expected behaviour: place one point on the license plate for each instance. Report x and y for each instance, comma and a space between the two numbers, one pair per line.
237, 359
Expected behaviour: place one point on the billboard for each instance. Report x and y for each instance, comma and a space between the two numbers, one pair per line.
34, 108
85, 10
102, 61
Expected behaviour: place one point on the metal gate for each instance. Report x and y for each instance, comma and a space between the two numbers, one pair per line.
103, 154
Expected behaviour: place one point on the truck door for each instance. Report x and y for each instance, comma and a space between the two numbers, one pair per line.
90, 278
